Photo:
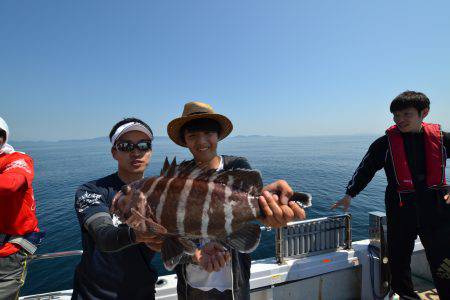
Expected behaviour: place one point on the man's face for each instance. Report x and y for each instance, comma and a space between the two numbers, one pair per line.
2, 137
409, 119
135, 161
202, 144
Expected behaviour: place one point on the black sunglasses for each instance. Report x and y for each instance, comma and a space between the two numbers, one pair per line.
143, 146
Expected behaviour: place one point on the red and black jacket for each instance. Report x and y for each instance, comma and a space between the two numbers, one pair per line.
434, 157
420, 162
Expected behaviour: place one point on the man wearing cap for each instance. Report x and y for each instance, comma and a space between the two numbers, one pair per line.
19, 232
213, 272
116, 261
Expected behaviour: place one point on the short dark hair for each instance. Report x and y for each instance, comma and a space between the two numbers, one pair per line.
203, 124
128, 120
409, 99
3, 134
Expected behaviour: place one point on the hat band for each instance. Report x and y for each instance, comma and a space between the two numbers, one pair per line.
123, 129
198, 113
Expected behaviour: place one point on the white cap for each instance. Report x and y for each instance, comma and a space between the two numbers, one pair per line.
132, 126
4, 127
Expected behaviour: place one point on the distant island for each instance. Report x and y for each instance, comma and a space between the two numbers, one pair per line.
164, 137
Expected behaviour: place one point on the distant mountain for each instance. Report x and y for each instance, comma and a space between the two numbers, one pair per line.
97, 139
253, 136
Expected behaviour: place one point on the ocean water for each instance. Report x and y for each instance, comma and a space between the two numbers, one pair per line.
321, 166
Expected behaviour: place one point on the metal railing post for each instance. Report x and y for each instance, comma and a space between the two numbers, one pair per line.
348, 233
279, 246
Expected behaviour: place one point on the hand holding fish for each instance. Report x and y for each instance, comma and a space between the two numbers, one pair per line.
212, 257
152, 241
278, 210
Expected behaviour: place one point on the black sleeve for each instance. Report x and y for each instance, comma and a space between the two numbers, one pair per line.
93, 215
89, 201
234, 162
108, 237
371, 163
446, 141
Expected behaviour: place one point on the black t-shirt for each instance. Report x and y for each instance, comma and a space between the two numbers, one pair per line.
123, 273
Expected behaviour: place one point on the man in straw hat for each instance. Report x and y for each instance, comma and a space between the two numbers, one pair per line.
19, 232
210, 276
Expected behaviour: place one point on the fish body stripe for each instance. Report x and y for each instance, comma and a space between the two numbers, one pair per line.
181, 209
250, 198
153, 186
162, 201
154, 197
194, 208
227, 206
216, 225
205, 216
194, 174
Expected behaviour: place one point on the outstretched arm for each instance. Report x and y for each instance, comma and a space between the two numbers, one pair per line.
94, 216
110, 238
372, 162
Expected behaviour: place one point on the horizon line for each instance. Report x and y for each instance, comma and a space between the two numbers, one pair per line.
167, 137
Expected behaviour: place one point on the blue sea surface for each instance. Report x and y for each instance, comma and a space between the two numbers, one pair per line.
321, 166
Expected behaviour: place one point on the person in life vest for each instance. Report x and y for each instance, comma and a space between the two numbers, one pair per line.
19, 232
413, 154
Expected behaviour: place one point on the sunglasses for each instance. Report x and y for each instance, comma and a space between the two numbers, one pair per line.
143, 146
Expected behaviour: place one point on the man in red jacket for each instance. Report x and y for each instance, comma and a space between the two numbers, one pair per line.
19, 232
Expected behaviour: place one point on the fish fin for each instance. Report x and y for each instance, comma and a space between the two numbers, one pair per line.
165, 167
245, 239
172, 170
152, 226
242, 179
189, 246
187, 170
208, 175
171, 252
150, 214
302, 199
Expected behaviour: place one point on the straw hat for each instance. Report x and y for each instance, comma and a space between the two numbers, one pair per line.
197, 110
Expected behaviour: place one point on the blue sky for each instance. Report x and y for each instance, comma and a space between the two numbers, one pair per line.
71, 69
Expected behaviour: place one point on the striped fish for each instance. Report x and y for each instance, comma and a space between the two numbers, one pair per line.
185, 203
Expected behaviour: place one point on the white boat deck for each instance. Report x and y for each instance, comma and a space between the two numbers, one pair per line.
336, 274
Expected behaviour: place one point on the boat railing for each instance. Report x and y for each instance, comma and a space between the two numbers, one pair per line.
313, 237
57, 254
296, 240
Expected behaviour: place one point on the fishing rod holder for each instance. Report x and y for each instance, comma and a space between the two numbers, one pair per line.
313, 237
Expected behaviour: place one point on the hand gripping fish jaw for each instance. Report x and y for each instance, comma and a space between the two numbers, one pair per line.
186, 203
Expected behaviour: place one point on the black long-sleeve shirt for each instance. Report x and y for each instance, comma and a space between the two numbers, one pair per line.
112, 266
